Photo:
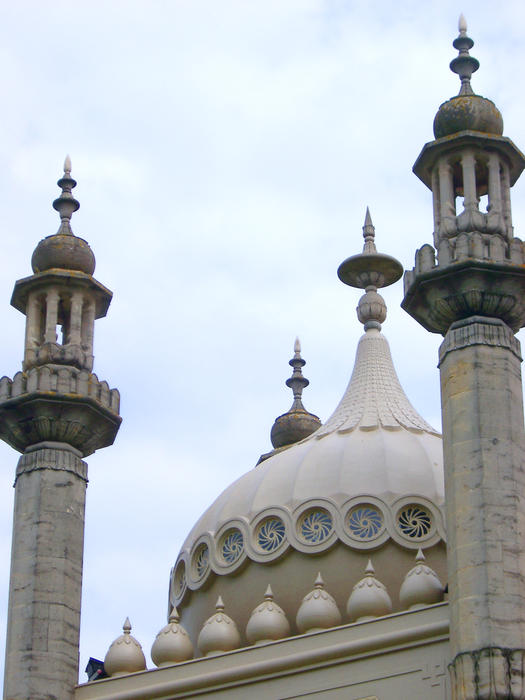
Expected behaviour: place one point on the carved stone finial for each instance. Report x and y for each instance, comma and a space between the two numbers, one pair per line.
297, 423
172, 644
125, 654
369, 598
318, 609
464, 64
66, 204
267, 621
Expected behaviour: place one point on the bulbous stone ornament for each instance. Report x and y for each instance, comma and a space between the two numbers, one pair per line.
172, 644
267, 621
125, 654
421, 586
318, 609
219, 633
369, 598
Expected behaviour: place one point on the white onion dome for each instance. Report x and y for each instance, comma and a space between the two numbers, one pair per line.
369, 598
421, 586
370, 478
267, 621
172, 644
318, 609
219, 633
125, 654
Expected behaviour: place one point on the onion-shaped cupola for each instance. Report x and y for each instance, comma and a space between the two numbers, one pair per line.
267, 622
369, 598
466, 111
421, 586
318, 609
172, 644
125, 654
297, 423
370, 478
219, 633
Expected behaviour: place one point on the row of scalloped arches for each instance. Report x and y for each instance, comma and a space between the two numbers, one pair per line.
361, 523
268, 622
65, 380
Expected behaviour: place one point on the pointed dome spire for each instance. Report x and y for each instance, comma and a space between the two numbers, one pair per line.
374, 397
421, 586
125, 654
297, 423
318, 609
172, 644
63, 249
467, 111
369, 598
267, 621
219, 633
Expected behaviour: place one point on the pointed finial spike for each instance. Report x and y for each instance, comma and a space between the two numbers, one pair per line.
67, 164
368, 218
420, 556
174, 615
219, 605
370, 571
126, 626
462, 24
319, 583
269, 592
297, 346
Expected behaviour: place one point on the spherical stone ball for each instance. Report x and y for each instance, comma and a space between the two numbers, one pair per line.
468, 113
65, 251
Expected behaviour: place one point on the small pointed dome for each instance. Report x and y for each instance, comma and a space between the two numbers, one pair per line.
125, 654
219, 633
369, 598
318, 610
467, 111
267, 621
63, 249
421, 586
297, 423
172, 644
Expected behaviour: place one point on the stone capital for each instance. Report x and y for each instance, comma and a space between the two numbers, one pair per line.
479, 330
55, 456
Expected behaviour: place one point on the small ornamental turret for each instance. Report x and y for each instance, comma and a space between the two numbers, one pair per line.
369, 598
125, 654
470, 287
318, 609
267, 622
297, 423
172, 644
55, 412
219, 633
421, 586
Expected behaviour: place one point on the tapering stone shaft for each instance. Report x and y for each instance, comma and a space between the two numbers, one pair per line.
483, 440
46, 574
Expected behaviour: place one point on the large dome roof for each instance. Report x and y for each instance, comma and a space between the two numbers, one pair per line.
370, 478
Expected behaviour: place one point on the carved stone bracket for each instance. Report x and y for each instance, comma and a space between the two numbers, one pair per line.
479, 330
491, 673
55, 458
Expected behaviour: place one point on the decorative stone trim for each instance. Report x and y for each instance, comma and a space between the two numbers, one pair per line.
57, 459
491, 672
362, 523
479, 330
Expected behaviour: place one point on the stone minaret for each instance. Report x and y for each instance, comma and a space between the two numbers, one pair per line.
55, 412
473, 293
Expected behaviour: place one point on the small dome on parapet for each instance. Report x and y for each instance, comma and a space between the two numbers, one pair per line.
125, 654
467, 111
369, 598
318, 610
421, 586
219, 633
267, 622
297, 423
63, 249
172, 644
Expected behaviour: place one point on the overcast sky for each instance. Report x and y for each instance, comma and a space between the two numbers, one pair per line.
225, 153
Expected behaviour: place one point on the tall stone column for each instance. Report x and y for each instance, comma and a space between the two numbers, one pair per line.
474, 295
55, 412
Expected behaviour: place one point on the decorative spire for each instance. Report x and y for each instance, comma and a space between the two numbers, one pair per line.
464, 64
297, 423
66, 204
318, 609
267, 621
421, 586
369, 598
125, 654
172, 644
370, 270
